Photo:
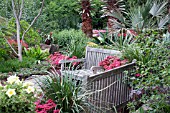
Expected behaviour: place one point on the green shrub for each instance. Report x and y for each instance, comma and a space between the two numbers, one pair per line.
14, 64
72, 41
5, 50
31, 38
153, 69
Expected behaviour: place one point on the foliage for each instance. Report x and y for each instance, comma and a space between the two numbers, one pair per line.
35, 69
152, 57
47, 107
111, 62
149, 15
98, 21
36, 53
60, 15
17, 96
5, 52
64, 91
73, 41
31, 38
13, 64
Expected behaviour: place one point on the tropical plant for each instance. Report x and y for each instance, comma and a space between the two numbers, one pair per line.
36, 53
17, 96
149, 15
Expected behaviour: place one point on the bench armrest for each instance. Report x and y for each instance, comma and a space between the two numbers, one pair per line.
62, 62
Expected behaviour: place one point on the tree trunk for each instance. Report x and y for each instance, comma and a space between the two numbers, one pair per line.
86, 18
19, 41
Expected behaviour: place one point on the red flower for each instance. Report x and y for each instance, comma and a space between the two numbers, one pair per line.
44, 108
138, 75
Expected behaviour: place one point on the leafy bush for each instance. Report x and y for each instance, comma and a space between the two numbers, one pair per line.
64, 91
152, 72
73, 41
31, 38
17, 97
14, 64
36, 53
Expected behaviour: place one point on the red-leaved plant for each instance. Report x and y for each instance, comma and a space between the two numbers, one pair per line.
48, 107
111, 62
56, 57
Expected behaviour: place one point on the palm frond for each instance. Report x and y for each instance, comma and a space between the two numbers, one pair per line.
158, 9
163, 21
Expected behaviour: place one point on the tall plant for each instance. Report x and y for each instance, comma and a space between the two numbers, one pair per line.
149, 15
86, 18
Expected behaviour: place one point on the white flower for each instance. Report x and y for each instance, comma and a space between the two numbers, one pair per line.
30, 89
18, 82
26, 84
12, 79
10, 92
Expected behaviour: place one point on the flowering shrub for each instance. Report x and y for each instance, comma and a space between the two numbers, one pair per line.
111, 62
17, 96
56, 57
47, 107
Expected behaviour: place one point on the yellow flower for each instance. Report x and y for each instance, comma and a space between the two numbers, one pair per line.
30, 89
91, 44
10, 92
12, 79
26, 84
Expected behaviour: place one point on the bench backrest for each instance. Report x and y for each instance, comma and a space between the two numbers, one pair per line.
96, 55
110, 88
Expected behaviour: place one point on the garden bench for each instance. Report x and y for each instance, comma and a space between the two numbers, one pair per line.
109, 87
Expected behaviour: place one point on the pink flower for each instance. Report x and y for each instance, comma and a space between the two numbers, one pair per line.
116, 63
138, 75
56, 111
123, 62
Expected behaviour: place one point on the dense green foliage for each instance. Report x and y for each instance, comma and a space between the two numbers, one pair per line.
72, 41
15, 64
31, 38
153, 65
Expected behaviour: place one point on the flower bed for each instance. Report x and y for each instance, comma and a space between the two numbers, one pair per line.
111, 62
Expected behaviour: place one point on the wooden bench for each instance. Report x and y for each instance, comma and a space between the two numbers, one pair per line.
106, 89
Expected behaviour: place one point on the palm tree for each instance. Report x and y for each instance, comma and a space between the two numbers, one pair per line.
86, 18
111, 6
